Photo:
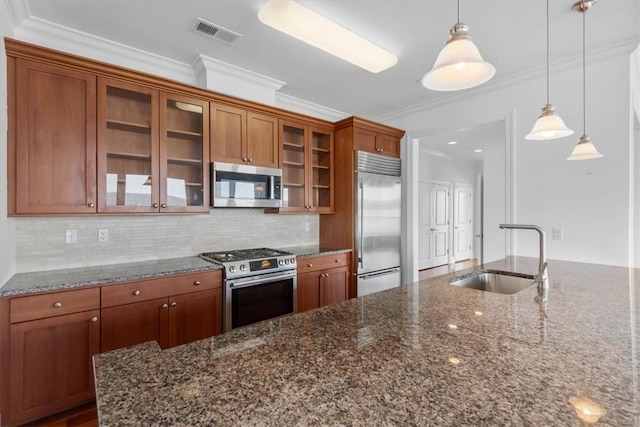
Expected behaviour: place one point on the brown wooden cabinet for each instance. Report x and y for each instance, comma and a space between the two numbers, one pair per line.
50, 353
153, 150
243, 136
322, 280
376, 142
55, 147
171, 311
306, 160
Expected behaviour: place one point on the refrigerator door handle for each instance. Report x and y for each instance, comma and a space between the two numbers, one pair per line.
361, 220
379, 273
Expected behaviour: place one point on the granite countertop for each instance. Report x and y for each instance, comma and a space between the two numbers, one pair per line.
422, 354
314, 250
56, 280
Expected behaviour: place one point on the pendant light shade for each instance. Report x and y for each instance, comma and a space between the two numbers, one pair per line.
549, 125
459, 64
584, 150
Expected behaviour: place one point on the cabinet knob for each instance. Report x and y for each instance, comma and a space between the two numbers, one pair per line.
155, 205
244, 159
311, 207
136, 292
91, 205
309, 265
250, 160
173, 304
337, 260
164, 306
196, 283
57, 305
163, 206
94, 319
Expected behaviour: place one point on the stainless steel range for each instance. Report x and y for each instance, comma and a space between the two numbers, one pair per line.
259, 284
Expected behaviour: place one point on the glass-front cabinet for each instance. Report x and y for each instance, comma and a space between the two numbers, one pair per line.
151, 150
307, 168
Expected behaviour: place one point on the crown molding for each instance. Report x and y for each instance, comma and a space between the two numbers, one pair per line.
298, 105
594, 56
18, 11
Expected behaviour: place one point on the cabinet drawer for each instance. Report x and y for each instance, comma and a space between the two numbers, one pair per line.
54, 304
306, 265
144, 290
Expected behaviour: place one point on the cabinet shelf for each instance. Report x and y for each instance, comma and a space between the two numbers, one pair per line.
321, 186
175, 133
291, 144
296, 164
128, 126
321, 167
321, 150
291, 184
195, 162
130, 156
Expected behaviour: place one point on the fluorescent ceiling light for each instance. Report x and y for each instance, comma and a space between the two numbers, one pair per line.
477, 151
294, 19
452, 142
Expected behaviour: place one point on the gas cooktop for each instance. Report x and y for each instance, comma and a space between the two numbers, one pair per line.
249, 262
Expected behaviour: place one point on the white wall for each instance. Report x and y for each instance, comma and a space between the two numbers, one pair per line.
588, 199
434, 167
7, 233
494, 206
634, 161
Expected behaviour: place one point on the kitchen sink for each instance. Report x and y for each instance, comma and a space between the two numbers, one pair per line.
494, 281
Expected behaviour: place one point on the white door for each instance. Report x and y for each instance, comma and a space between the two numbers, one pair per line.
462, 222
433, 224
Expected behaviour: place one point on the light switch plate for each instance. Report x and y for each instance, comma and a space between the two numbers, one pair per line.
557, 233
103, 235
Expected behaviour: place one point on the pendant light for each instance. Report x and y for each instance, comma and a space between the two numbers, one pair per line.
459, 64
549, 125
584, 150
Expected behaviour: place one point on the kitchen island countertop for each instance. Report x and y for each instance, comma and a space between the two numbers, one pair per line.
423, 354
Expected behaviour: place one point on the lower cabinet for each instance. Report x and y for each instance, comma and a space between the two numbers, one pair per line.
320, 282
50, 366
47, 340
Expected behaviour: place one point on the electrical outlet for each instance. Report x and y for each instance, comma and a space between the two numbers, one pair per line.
307, 226
72, 236
103, 235
557, 233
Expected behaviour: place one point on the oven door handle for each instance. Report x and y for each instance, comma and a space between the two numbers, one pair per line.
252, 281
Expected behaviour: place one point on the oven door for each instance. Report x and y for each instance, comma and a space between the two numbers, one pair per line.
252, 299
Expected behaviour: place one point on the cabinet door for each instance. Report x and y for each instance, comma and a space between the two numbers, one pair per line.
388, 145
262, 140
51, 366
184, 154
364, 140
228, 133
308, 290
321, 171
334, 286
128, 164
131, 324
195, 316
55, 140
294, 160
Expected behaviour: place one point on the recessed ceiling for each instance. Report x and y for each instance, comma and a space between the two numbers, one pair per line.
484, 137
510, 35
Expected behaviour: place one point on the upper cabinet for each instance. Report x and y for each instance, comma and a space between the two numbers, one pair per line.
55, 140
152, 150
241, 136
376, 142
307, 168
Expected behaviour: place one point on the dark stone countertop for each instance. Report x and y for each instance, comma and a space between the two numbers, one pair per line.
422, 354
314, 250
58, 280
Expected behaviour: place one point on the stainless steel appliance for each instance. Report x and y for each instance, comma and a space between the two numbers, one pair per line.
245, 186
377, 222
259, 284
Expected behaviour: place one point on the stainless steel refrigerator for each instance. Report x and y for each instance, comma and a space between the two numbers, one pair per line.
378, 203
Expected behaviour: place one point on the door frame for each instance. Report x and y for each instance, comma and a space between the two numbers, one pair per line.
450, 187
452, 220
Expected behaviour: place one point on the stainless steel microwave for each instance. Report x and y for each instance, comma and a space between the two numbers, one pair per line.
244, 186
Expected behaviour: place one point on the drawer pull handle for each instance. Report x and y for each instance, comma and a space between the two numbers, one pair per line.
94, 319
57, 305
196, 283
337, 260
309, 265
91, 205
164, 306
136, 292
173, 304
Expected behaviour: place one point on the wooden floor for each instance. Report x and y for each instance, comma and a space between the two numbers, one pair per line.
428, 273
82, 416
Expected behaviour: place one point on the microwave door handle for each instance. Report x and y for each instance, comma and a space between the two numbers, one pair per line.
272, 189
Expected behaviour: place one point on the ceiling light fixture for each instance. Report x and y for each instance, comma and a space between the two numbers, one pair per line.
549, 125
459, 64
584, 150
296, 20
477, 150
452, 142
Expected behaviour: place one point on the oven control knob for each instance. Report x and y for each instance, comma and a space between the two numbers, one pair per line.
232, 269
281, 262
243, 267
293, 260
286, 261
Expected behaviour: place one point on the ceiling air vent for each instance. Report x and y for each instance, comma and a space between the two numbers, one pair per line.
215, 31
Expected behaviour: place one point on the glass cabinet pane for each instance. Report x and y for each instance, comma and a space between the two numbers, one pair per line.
293, 167
129, 148
184, 143
321, 172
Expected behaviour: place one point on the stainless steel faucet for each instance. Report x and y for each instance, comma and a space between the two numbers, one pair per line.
542, 277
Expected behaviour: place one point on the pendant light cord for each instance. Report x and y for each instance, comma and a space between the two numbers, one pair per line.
547, 52
458, 11
584, 75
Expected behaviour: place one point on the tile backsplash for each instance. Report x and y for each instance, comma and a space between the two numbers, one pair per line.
41, 244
